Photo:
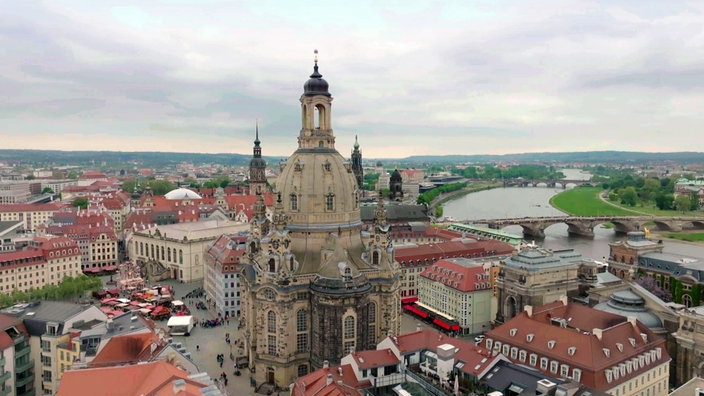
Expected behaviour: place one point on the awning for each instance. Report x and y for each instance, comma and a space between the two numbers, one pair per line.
415, 310
409, 300
441, 324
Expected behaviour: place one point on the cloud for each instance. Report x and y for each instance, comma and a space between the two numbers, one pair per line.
409, 77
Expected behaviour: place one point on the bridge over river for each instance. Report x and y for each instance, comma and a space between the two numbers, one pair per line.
534, 227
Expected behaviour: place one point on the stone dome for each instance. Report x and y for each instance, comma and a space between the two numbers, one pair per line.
182, 193
627, 303
316, 85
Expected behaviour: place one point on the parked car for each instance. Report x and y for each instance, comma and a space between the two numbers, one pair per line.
478, 339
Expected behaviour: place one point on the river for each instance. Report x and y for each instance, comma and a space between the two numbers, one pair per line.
535, 202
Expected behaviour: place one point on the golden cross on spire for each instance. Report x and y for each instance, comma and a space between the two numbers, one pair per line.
316, 55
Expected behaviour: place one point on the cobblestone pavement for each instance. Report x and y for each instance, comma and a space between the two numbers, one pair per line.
211, 342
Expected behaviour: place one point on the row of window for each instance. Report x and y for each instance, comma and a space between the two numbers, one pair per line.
152, 251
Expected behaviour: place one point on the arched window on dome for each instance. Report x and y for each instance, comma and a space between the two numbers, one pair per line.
294, 202
316, 118
272, 265
330, 202
375, 257
320, 144
252, 247
292, 263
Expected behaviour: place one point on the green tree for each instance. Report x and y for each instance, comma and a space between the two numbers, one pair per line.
694, 201
160, 187
629, 196
683, 203
29, 177
664, 201
47, 190
73, 175
80, 202
129, 185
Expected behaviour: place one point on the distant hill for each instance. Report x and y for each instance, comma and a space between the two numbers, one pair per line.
156, 159
618, 157
145, 159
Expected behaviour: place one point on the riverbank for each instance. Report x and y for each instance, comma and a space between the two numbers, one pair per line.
690, 237
460, 193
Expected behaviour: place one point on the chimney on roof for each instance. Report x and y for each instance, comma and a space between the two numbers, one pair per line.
563, 298
529, 310
328, 380
326, 364
179, 385
418, 328
339, 370
597, 333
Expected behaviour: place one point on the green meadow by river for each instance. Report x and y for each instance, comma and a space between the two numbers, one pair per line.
585, 201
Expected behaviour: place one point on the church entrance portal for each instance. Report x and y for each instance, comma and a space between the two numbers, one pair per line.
270, 375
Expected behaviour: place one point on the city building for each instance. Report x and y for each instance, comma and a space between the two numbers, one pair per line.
93, 231
623, 254
458, 289
535, 276
415, 259
12, 192
46, 261
607, 352
314, 285
222, 285
51, 325
177, 251
32, 215
396, 186
397, 213
16, 364
690, 188
10, 232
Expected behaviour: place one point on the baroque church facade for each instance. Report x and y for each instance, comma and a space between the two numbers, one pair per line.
315, 284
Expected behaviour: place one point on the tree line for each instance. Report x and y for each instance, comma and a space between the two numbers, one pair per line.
68, 289
525, 171
634, 190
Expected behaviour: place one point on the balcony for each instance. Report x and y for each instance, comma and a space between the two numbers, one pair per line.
28, 392
5, 376
22, 352
24, 380
22, 367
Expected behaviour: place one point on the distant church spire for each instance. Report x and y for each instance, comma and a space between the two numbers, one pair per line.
357, 169
257, 166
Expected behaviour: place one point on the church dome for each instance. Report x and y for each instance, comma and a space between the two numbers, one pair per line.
627, 303
396, 175
316, 85
182, 193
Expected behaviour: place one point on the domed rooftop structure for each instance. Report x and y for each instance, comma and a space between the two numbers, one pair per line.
182, 193
627, 303
316, 85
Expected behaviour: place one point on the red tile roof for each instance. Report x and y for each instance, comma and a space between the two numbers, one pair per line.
589, 331
45, 207
477, 359
464, 278
374, 358
316, 383
436, 251
155, 378
129, 348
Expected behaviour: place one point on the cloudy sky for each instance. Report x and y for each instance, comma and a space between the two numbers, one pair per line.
408, 77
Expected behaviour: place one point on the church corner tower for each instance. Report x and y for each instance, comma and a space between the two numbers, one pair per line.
357, 165
314, 285
257, 167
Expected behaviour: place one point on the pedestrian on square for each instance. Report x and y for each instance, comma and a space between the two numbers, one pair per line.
197, 347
